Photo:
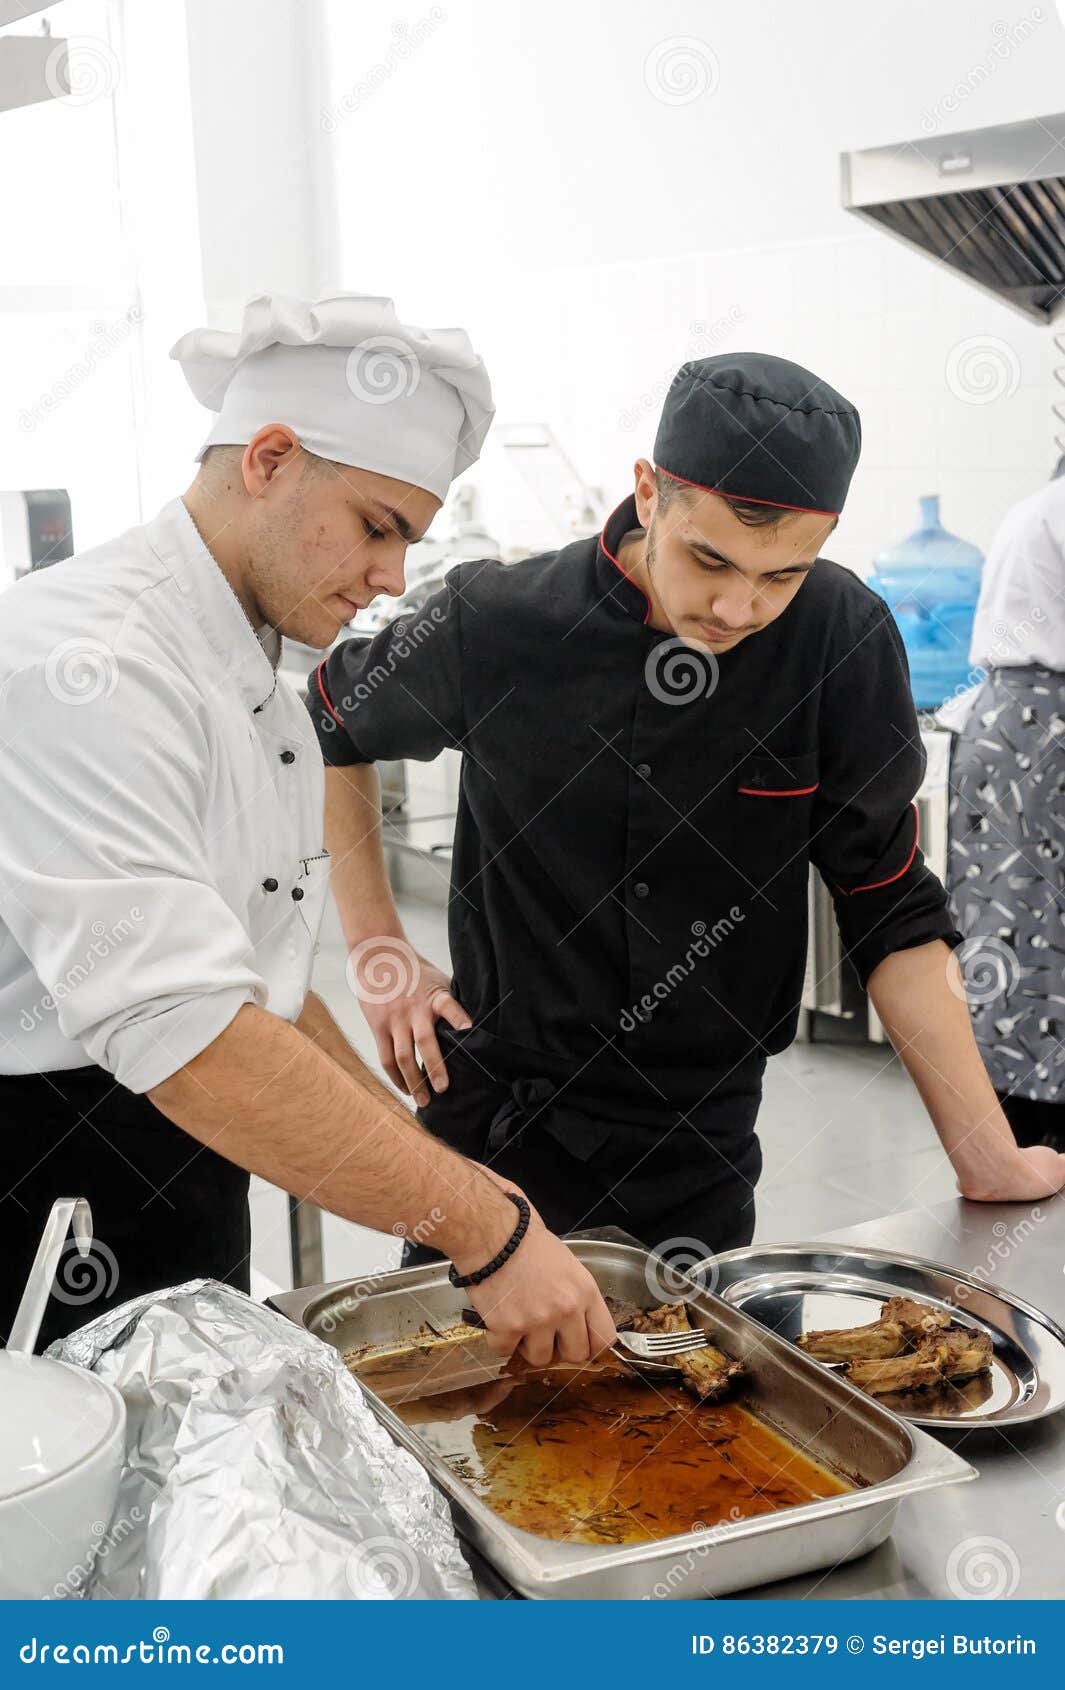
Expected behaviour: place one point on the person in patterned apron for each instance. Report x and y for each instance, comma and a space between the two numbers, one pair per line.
1006, 866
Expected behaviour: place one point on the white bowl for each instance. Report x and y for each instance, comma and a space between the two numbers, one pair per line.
62, 1441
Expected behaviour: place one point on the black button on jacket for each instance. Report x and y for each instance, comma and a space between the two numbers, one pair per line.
636, 820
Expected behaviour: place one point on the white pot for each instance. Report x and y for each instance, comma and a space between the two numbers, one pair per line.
62, 1440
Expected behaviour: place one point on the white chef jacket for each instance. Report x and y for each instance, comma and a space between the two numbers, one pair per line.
1020, 618
161, 812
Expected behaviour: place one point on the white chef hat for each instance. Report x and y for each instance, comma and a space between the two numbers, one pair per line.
353, 383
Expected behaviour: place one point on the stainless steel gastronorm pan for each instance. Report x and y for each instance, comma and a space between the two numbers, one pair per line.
817, 1410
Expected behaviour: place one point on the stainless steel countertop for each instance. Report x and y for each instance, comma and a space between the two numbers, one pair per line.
1016, 1500
1003, 1533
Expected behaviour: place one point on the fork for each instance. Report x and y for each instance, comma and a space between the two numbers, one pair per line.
659, 1348
654, 1349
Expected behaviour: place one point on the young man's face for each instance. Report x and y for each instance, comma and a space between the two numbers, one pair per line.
323, 540
716, 580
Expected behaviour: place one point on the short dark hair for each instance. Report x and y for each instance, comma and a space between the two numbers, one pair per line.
222, 459
218, 464
753, 514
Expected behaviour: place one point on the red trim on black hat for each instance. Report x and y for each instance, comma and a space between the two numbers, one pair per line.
325, 695
744, 498
614, 561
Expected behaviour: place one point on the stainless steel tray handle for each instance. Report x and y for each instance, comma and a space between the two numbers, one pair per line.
30, 1313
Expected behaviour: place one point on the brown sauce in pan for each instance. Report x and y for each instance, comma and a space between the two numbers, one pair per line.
604, 1456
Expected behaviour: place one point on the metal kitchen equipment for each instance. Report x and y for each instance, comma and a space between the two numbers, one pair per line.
793, 1288
573, 508
659, 1346
33, 68
35, 531
989, 202
66, 1212
836, 1424
830, 987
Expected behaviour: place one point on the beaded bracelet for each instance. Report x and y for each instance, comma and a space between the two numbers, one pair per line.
504, 1255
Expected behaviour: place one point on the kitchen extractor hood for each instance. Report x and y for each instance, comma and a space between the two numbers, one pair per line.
988, 202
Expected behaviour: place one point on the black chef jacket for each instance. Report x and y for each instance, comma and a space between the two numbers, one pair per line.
636, 819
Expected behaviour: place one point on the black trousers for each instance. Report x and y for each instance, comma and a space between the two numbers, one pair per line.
1033, 1121
164, 1208
687, 1189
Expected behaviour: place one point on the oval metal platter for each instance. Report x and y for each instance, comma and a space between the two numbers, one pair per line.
795, 1288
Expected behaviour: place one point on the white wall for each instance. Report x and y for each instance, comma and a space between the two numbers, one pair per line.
99, 267
262, 158
598, 191
180, 176
532, 170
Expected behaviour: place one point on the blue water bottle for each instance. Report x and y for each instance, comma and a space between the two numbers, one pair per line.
931, 581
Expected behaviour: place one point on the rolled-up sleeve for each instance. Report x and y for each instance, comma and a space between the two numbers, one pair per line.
105, 878
398, 694
865, 827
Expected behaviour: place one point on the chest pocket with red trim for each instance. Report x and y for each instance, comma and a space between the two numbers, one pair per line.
771, 775
775, 797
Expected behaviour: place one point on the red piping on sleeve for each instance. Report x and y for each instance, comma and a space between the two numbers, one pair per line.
873, 884
617, 566
744, 498
785, 792
325, 695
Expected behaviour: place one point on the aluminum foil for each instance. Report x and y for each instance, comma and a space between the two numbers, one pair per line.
254, 1467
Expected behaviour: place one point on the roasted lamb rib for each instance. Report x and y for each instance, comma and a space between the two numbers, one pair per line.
849, 1343
901, 1324
708, 1373
911, 1346
953, 1355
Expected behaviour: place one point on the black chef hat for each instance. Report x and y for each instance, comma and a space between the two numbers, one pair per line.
761, 429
